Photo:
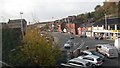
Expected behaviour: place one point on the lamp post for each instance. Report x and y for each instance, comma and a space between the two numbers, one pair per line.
21, 23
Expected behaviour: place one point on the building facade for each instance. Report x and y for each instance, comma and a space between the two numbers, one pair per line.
109, 29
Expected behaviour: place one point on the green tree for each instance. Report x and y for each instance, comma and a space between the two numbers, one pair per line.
38, 50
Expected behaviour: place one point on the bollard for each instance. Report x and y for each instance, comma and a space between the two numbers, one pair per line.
87, 47
78, 52
71, 55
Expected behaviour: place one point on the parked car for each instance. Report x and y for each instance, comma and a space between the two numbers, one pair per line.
88, 52
107, 49
68, 44
71, 37
78, 63
83, 36
96, 60
96, 37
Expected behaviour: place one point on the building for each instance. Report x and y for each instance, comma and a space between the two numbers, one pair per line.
109, 29
85, 29
73, 27
18, 24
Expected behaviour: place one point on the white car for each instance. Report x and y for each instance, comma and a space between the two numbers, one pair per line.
68, 44
107, 49
96, 60
78, 63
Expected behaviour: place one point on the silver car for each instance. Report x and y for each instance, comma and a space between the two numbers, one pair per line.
87, 52
78, 63
96, 60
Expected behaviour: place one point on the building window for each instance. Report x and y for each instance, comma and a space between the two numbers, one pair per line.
112, 27
118, 27
99, 25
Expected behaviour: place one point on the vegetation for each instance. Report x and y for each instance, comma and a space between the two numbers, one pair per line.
40, 51
10, 41
111, 9
36, 50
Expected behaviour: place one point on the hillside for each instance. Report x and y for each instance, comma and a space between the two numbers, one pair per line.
111, 9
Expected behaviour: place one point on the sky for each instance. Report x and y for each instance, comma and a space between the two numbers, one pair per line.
45, 10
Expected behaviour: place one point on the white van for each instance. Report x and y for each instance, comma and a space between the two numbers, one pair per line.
107, 49
117, 44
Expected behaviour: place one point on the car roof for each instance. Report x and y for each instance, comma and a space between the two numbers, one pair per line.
66, 44
87, 52
92, 56
78, 60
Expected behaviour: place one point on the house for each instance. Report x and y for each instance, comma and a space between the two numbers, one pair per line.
18, 24
109, 29
85, 29
73, 27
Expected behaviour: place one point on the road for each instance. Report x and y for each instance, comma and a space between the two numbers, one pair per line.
62, 38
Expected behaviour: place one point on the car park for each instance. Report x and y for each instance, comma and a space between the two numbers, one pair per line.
80, 63
91, 52
107, 50
96, 60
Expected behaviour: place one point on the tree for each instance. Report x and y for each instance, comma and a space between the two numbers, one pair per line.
97, 7
38, 50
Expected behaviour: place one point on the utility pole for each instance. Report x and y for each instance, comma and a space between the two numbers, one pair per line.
52, 25
105, 21
21, 24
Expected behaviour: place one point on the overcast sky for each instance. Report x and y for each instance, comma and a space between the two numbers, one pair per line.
44, 10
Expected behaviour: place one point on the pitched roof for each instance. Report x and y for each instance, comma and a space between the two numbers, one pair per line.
110, 21
86, 24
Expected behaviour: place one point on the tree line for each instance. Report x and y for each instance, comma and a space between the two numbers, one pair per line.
111, 9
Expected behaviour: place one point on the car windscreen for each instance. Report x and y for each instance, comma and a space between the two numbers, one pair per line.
96, 53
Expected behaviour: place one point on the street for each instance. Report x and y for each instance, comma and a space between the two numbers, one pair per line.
90, 42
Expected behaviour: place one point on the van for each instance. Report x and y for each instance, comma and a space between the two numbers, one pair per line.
117, 44
107, 50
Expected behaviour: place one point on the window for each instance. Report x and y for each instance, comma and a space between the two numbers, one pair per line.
82, 53
112, 27
76, 63
87, 58
118, 27
99, 59
91, 59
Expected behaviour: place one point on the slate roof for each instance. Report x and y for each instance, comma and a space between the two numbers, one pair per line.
109, 22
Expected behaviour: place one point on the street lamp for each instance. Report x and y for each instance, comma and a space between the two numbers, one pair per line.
21, 23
